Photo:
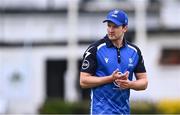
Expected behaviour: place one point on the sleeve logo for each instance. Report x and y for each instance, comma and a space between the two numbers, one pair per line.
87, 53
85, 64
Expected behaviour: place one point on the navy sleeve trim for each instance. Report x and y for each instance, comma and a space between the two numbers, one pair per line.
89, 62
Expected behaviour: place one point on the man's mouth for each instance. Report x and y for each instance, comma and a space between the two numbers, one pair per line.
111, 34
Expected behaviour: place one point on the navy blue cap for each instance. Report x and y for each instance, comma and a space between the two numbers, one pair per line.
118, 17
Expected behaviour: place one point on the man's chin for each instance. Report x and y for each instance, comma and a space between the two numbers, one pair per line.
112, 38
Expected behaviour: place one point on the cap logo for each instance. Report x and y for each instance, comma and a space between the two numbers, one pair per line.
113, 15
116, 11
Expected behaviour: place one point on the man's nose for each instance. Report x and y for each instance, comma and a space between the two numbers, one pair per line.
111, 29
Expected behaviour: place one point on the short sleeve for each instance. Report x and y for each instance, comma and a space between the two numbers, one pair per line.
89, 62
140, 68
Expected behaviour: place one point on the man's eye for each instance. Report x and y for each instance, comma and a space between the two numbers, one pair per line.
109, 25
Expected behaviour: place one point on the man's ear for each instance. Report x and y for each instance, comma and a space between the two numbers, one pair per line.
125, 28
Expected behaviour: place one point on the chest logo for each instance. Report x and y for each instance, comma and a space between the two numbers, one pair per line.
130, 62
106, 60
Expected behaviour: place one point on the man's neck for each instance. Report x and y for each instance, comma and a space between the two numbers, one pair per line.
118, 43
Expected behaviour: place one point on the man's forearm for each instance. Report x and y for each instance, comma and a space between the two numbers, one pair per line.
93, 81
140, 84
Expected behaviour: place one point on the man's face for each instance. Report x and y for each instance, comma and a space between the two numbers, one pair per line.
115, 32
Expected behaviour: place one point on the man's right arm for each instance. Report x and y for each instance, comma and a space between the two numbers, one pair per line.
88, 69
89, 81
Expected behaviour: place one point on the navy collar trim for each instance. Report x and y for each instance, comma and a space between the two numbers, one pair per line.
110, 44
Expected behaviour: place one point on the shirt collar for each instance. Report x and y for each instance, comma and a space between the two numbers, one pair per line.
110, 44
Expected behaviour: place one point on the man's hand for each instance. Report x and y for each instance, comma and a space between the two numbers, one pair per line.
116, 74
123, 80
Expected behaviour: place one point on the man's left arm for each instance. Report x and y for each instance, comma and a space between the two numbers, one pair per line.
140, 83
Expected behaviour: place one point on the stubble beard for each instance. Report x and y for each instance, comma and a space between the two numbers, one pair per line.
113, 38
117, 41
